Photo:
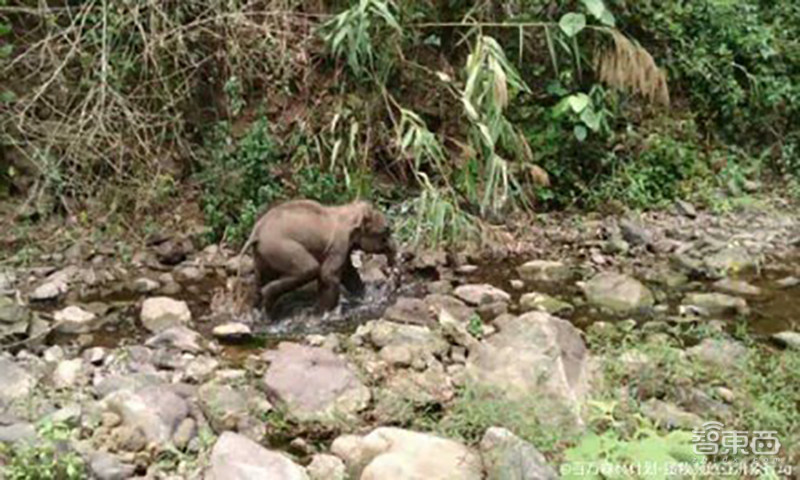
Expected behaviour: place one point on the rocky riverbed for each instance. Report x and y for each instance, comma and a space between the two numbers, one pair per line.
153, 370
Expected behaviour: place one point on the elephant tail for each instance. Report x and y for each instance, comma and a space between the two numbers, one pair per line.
250, 241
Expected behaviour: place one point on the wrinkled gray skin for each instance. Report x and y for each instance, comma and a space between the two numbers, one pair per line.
300, 241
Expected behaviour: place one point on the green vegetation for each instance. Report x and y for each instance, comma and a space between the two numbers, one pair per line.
454, 114
48, 458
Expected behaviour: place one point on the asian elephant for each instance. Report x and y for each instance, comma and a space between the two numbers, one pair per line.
300, 241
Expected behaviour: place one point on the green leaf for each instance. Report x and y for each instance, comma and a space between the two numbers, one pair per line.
6, 50
572, 23
591, 119
579, 102
5, 29
598, 10
7, 96
580, 132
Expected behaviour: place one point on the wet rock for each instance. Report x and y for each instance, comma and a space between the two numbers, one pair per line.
156, 411
326, 467
18, 433
393, 453
538, 356
736, 287
686, 209
145, 285
480, 294
716, 304
410, 311
634, 232
227, 408
75, 320
670, 416
788, 339
728, 260
542, 302
68, 373
719, 353
236, 457
48, 291
178, 338
15, 382
232, 332
161, 313
507, 457
618, 293
544, 271
105, 466
313, 383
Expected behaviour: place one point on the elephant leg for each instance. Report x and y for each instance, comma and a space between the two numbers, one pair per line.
264, 274
351, 278
294, 267
330, 279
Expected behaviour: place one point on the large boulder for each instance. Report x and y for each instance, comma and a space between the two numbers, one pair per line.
535, 357
236, 457
161, 313
397, 454
313, 383
508, 457
618, 293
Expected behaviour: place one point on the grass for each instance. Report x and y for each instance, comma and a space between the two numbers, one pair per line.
45, 459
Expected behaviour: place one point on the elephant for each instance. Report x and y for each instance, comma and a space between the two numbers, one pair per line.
299, 241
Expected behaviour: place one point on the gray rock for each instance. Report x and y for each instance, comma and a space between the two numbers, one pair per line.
114, 383
201, 369
326, 467
94, 355
179, 338
458, 309
105, 466
156, 411
686, 209
189, 274
634, 232
716, 304
788, 282
393, 453
618, 293
236, 457
720, 353
227, 408
184, 434
542, 302
313, 383
544, 271
18, 433
507, 457
48, 291
670, 416
11, 312
15, 382
161, 313
68, 373
536, 356
401, 344
480, 294
788, 339
75, 320
145, 285
7, 281
410, 311
736, 287
232, 331
729, 260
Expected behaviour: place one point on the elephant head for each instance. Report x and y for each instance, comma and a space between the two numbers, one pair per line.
371, 232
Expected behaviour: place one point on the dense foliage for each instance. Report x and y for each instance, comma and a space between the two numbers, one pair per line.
465, 112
